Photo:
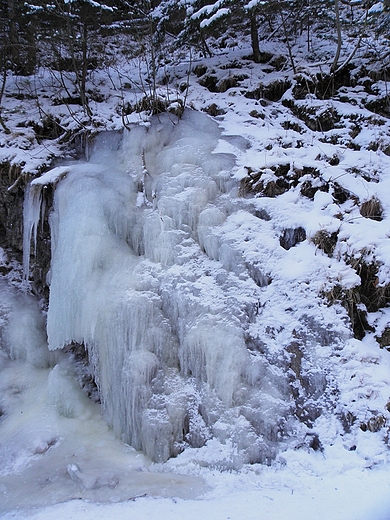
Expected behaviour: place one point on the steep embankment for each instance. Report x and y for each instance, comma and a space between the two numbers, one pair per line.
305, 221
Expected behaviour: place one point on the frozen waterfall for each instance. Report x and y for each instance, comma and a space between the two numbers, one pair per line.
145, 278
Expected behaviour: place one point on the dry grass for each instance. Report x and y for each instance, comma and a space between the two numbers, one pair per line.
325, 241
372, 209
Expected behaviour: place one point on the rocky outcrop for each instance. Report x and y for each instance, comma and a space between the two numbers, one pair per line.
13, 182
12, 186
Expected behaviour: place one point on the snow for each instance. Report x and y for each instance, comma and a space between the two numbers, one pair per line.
51, 177
342, 498
376, 8
214, 17
186, 273
209, 9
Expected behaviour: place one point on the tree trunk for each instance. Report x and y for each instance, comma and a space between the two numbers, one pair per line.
290, 53
339, 38
84, 70
255, 39
4, 79
21, 42
13, 35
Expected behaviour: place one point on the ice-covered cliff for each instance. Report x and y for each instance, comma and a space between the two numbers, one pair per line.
163, 274
160, 300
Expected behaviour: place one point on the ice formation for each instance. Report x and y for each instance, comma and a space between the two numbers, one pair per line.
34, 207
54, 443
22, 329
144, 278
31, 217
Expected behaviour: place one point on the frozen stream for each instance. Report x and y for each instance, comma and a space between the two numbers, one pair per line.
54, 444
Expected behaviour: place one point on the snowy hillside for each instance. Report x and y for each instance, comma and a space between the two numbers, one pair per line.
227, 270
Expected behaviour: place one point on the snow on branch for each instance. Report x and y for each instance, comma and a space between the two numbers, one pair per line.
376, 8
207, 10
254, 3
219, 14
34, 8
93, 3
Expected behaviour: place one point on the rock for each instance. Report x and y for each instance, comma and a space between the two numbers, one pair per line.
291, 237
226, 83
384, 339
209, 82
11, 207
273, 92
317, 118
213, 110
200, 70
256, 114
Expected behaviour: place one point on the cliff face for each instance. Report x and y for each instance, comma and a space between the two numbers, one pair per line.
13, 182
12, 186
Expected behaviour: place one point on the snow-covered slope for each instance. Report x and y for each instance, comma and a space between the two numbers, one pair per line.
219, 274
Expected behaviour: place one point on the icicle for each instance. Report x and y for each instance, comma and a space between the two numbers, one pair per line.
33, 208
31, 217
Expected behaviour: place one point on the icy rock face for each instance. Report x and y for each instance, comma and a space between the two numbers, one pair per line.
160, 299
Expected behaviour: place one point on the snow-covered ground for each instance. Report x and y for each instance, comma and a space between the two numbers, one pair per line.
59, 459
